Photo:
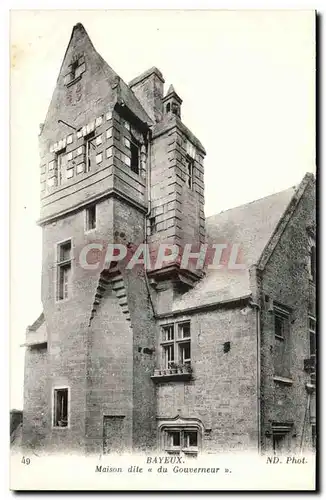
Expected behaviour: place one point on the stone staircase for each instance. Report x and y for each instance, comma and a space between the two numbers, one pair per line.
111, 280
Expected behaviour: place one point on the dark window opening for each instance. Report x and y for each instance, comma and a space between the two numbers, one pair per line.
280, 325
191, 439
313, 263
312, 336
61, 161
152, 225
90, 150
60, 408
175, 438
175, 109
74, 67
189, 172
226, 346
91, 218
168, 107
64, 270
134, 161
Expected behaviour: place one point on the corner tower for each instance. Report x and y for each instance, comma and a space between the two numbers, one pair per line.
116, 167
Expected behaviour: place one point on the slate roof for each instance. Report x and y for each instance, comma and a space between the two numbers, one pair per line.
251, 226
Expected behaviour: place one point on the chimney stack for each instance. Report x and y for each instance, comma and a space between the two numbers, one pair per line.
148, 88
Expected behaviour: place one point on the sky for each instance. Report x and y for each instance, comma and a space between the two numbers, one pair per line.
247, 80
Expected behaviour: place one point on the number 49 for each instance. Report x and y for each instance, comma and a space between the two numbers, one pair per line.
26, 461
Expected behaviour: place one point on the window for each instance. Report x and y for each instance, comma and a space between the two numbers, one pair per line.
312, 260
176, 109
61, 160
91, 218
176, 351
168, 107
178, 441
90, 151
60, 407
282, 345
152, 225
76, 69
189, 172
281, 322
134, 163
64, 270
281, 434
312, 335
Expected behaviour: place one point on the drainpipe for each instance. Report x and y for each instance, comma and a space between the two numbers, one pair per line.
305, 420
148, 196
258, 336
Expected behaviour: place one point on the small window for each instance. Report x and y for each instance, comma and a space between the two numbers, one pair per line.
312, 259
281, 323
90, 151
152, 225
189, 172
60, 407
61, 159
76, 69
109, 152
64, 270
109, 133
168, 107
134, 163
91, 218
312, 336
69, 139
181, 441
176, 109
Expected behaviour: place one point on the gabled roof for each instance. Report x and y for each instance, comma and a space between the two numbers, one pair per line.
112, 86
253, 227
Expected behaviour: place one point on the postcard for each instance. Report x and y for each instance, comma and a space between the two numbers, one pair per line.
163, 315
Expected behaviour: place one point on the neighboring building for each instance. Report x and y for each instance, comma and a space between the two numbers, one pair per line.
176, 359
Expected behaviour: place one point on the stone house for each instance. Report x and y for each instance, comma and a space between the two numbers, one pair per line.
179, 359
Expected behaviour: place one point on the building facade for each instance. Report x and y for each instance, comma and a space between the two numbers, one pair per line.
183, 359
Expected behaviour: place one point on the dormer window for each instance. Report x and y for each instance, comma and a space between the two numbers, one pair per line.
76, 69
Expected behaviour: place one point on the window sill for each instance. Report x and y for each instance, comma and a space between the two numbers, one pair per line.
279, 337
171, 377
283, 380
